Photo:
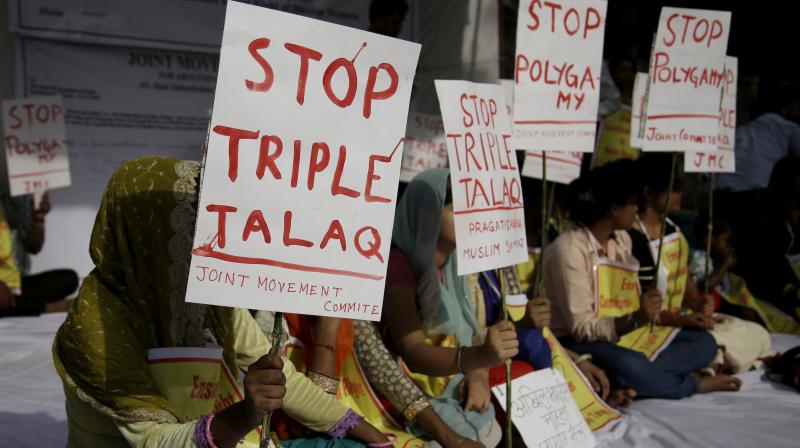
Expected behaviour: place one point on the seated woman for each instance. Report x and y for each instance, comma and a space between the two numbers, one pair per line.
686, 307
131, 307
22, 229
592, 312
425, 298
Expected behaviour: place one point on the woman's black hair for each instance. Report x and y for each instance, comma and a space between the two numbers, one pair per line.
653, 170
448, 195
721, 225
591, 197
781, 181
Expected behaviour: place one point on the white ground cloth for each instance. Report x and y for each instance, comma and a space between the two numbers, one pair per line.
762, 414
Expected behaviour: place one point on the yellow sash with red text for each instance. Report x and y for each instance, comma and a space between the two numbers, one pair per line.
196, 382
614, 140
617, 294
675, 261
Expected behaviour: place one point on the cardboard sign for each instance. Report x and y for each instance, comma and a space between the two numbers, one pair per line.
723, 160
35, 143
425, 147
301, 174
544, 412
637, 107
687, 70
557, 74
562, 167
487, 194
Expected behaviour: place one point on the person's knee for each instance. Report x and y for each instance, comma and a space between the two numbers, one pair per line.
631, 361
703, 343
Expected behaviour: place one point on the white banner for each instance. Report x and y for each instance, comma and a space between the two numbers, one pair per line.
190, 25
544, 412
35, 144
120, 104
686, 73
311, 115
562, 167
723, 160
557, 74
425, 147
487, 194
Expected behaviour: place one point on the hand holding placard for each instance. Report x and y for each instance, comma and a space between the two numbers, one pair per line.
35, 144
301, 172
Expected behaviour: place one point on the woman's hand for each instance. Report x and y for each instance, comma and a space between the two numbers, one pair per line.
475, 392
501, 344
263, 387
597, 377
650, 307
538, 310
697, 320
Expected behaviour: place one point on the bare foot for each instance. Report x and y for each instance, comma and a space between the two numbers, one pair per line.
621, 398
719, 383
58, 306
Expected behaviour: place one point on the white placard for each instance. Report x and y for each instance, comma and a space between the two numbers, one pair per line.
487, 193
637, 105
723, 160
685, 85
301, 174
557, 74
562, 167
35, 144
544, 412
425, 147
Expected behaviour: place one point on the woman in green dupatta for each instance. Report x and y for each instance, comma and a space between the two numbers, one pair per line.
133, 302
425, 299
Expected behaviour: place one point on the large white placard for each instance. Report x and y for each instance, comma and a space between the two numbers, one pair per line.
302, 168
723, 160
35, 144
562, 167
686, 75
120, 103
544, 412
557, 74
487, 194
425, 147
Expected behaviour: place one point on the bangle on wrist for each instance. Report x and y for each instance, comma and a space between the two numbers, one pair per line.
415, 408
328, 384
460, 359
582, 358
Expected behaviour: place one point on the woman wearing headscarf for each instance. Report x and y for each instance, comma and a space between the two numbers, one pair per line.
120, 386
428, 318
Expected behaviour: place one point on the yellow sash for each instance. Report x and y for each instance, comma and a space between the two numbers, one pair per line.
196, 382
776, 320
614, 141
9, 272
617, 294
596, 412
356, 393
675, 262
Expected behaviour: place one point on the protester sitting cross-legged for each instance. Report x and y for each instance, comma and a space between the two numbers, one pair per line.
22, 231
132, 307
591, 279
741, 343
428, 319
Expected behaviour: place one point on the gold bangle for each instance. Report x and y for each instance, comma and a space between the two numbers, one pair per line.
326, 383
415, 408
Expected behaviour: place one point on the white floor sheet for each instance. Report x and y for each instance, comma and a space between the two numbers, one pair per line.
762, 414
